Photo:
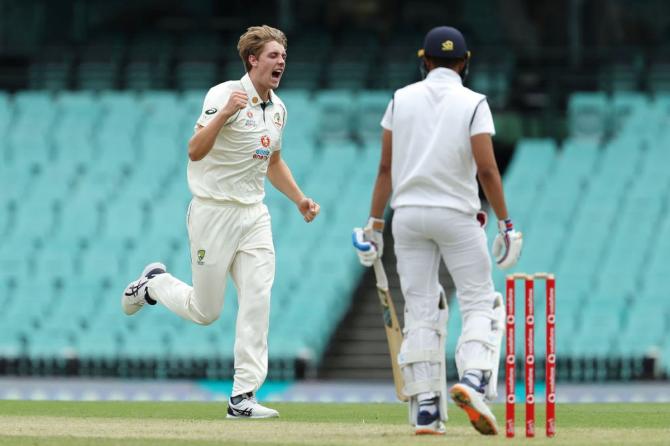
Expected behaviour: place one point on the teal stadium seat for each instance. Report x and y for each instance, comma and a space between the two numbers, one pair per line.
146, 74
302, 74
347, 74
643, 332
5, 118
98, 75
371, 105
196, 75
74, 130
401, 67
618, 78
600, 324
533, 157
335, 114
625, 107
665, 357
52, 75
588, 116
492, 80
306, 64
658, 78
28, 138
581, 206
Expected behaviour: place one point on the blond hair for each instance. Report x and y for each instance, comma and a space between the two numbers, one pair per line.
252, 42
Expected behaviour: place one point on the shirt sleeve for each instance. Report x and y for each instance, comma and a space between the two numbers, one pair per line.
283, 127
482, 121
387, 120
212, 105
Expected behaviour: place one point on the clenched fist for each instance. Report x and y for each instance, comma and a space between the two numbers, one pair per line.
309, 209
236, 101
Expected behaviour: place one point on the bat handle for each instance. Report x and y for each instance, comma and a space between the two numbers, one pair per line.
380, 274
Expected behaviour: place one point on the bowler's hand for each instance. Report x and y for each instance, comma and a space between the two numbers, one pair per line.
309, 209
236, 101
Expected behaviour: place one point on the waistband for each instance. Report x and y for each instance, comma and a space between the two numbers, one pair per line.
225, 203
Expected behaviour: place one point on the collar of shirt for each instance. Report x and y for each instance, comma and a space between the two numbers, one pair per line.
442, 74
254, 97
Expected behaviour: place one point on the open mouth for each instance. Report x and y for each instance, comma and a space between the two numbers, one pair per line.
276, 74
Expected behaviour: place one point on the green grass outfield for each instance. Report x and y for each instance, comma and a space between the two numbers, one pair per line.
170, 423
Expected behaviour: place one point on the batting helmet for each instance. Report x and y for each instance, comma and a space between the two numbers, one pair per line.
444, 42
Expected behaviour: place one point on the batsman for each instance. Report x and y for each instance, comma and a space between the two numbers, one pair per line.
436, 142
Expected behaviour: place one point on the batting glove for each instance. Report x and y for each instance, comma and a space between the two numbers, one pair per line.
507, 245
369, 241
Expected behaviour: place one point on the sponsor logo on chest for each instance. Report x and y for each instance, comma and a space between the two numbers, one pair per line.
263, 153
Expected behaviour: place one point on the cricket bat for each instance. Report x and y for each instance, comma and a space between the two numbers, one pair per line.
391, 325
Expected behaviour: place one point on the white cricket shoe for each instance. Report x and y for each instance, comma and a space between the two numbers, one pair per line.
429, 424
249, 407
479, 413
136, 293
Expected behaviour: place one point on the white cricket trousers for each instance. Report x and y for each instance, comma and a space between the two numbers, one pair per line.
423, 235
236, 239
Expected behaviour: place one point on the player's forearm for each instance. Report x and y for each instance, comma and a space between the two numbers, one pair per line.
381, 193
202, 140
493, 190
383, 186
282, 179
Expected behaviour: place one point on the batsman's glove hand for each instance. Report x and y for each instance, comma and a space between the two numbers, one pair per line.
369, 241
507, 245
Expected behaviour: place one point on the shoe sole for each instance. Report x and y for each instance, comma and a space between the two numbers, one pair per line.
235, 417
428, 432
479, 421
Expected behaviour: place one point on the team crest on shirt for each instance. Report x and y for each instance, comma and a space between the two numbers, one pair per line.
265, 141
201, 256
277, 121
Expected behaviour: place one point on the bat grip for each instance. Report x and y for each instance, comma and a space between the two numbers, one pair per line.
380, 274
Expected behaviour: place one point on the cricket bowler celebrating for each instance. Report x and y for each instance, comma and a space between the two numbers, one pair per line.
436, 139
236, 144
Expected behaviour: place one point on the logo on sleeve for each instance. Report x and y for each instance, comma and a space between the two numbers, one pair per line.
277, 120
201, 256
265, 141
211, 111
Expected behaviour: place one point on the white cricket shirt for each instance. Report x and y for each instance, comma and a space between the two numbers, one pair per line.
234, 170
432, 122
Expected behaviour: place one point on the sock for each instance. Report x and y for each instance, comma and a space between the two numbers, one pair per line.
428, 405
474, 377
238, 398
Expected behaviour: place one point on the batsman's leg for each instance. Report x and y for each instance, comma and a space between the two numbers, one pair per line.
478, 349
422, 356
